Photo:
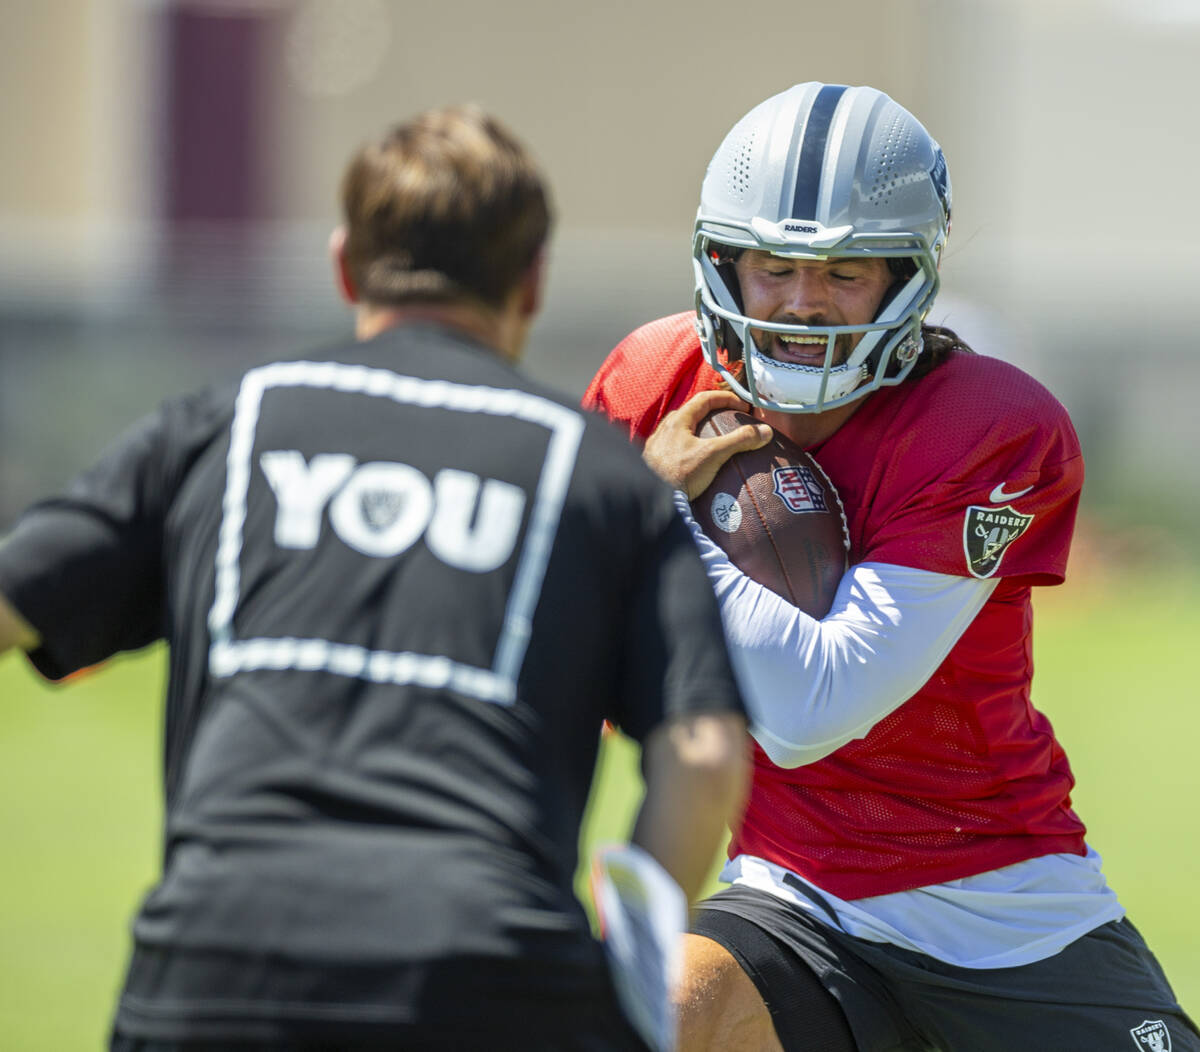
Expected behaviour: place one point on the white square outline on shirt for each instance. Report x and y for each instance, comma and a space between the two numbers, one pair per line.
228, 655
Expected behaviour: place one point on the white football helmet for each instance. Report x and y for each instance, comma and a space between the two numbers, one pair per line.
818, 171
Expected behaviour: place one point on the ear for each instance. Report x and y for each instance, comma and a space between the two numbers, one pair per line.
533, 285
341, 271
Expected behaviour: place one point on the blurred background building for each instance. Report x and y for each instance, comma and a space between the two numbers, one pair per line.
169, 173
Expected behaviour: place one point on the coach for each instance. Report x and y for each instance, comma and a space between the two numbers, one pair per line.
402, 587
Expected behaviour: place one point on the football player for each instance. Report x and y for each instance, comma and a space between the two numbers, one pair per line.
910, 873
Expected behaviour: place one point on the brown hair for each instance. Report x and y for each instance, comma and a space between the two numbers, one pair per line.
940, 344
446, 206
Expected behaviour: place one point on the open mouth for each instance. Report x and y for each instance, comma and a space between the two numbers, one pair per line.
798, 350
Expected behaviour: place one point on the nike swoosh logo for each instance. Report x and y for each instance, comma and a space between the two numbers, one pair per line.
998, 496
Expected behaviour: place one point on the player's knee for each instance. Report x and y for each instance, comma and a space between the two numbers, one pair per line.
719, 1007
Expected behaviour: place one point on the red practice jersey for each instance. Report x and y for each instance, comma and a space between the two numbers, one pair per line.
973, 470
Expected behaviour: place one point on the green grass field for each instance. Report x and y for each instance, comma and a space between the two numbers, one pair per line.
80, 805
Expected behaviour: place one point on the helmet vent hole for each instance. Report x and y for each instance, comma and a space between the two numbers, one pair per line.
893, 158
741, 165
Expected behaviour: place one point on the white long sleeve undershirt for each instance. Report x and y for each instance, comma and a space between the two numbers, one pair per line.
888, 630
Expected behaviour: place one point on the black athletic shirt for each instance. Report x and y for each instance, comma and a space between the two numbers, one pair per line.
402, 587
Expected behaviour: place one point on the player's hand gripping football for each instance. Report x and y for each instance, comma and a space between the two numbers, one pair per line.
688, 462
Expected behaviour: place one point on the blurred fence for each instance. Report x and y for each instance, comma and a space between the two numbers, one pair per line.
74, 373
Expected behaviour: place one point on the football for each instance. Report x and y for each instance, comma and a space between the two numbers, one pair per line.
777, 516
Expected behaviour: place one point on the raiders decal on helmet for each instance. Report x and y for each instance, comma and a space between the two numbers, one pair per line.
987, 533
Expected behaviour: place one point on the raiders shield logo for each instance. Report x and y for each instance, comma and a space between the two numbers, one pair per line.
1152, 1035
987, 533
380, 508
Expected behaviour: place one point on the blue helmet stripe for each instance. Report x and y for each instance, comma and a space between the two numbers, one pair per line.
812, 151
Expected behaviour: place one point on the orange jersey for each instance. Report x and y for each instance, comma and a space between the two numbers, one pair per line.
973, 470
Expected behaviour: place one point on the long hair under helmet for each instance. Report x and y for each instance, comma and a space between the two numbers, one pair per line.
818, 171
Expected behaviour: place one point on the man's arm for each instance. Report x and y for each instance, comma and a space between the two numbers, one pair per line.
15, 631
812, 686
697, 776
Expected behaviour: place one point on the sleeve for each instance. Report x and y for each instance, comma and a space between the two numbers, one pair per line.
676, 659
997, 499
888, 630
85, 568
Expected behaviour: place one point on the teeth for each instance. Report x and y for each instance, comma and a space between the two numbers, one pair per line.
802, 339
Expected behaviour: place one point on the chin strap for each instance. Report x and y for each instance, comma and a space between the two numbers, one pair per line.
896, 307
728, 299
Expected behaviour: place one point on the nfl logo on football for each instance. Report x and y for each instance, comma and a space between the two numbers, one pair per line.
798, 488
1152, 1035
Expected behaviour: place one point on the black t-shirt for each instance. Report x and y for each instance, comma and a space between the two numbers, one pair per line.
402, 587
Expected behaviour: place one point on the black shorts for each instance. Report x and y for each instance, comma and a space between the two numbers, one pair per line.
574, 1039
180, 1001
507, 1020
529, 1029
1104, 991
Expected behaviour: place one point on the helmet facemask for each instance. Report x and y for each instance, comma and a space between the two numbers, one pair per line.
884, 356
